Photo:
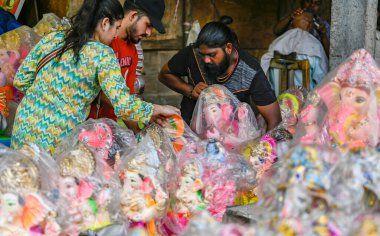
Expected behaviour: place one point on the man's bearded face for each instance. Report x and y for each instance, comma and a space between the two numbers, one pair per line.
215, 70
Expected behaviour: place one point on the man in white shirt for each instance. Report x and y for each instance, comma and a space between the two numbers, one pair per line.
299, 40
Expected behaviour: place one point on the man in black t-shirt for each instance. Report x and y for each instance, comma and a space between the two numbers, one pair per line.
216, 59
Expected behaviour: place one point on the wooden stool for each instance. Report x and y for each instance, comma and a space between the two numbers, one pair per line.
288, 64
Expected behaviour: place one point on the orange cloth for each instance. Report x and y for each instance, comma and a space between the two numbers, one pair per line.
8, 91
127, 56
151, 225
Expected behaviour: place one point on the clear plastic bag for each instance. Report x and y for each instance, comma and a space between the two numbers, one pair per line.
144, 197
179, 132
291, 102
227, 177
24, 185
261, 153
14, 47
104, 137
48, 167
162, 144
21, 39
186, 194
344, 110
220, 115
89, 190
299, 182
50, 23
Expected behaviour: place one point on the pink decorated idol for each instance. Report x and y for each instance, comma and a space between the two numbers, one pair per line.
24, 205
144, 198
220, 115
344, 109
103, 137
188, 196
179, 132
14, 47
85, 195
226, 176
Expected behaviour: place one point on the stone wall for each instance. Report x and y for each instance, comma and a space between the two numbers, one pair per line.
353, 27
155, 91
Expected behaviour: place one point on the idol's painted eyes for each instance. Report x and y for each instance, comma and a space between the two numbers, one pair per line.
360, 99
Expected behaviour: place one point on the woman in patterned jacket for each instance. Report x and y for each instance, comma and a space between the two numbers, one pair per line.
58, 95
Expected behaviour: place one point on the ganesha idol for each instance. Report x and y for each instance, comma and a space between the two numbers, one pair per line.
23, 209
14, 47
179, 132
188, 198
104, 138
290, 103
143, 199
344, 110
84, 199
226, 177
367, 224
221, 116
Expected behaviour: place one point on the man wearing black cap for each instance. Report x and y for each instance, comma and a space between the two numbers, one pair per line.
140, 17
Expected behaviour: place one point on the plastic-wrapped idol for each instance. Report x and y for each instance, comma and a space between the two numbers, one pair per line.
104, 137
186, 194
179, 132
50, 23
14, 47
291, 102
25, 185
344, 109
220, 115
144, 197
88, 191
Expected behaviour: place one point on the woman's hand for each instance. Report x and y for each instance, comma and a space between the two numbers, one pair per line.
162, 111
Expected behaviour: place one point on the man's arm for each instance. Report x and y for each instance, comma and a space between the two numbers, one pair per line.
271, 114
324, 40
174, 82
284, 23
265, 99
177, 84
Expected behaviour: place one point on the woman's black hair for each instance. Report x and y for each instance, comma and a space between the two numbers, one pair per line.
216, 35
84, 23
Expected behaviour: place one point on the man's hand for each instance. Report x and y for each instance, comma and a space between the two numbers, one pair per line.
296, 12
198, 89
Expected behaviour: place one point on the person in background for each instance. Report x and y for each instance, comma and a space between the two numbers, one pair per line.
139, 82
215, 58
299, 40
321, 28
140, 17
65, 72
